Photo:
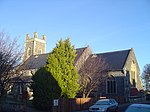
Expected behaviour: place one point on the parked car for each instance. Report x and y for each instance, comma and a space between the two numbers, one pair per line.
104, 105
138, 108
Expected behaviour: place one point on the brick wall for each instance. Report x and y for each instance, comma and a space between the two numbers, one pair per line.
78, 104
74, 104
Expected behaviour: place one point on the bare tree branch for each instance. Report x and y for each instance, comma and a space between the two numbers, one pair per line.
10, 59
92, 73
146, 77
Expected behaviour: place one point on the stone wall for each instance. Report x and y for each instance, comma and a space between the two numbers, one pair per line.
120, 84
128, 66
35, 45
39, 46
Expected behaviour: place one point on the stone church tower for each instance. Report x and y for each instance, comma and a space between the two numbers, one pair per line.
34, 46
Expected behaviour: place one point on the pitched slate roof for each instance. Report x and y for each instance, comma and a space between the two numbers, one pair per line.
38, 61
35, 61
79, 52
115, 60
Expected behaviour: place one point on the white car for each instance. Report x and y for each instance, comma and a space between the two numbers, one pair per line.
138, 108
104, 105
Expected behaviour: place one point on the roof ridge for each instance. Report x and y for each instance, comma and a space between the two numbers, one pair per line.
48, 53
81, 48
114, 51
127, 58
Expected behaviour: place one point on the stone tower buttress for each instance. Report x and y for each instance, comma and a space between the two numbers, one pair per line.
34, 46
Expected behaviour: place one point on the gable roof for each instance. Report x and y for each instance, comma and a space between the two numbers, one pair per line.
115, 60
38, 61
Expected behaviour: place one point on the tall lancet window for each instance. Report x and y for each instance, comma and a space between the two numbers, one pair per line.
29, 52
111, 85
133, 74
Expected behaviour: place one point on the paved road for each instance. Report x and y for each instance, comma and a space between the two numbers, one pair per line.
122, 107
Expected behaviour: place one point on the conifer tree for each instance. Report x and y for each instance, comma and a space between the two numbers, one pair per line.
61, 65
45, 89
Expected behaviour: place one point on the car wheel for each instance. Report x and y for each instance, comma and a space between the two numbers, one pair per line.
116, 110
107, 110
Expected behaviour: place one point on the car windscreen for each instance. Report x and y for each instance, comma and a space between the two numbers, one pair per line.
102, 103
137, 109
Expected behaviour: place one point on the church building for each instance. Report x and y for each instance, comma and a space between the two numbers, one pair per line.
123, 80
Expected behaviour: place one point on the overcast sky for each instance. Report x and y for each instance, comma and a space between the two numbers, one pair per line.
104, 25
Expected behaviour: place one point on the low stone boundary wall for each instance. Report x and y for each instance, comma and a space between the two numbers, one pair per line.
12, 107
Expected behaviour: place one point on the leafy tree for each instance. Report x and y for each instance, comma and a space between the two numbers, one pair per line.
10, 59
45, 89
146, 76
61, 65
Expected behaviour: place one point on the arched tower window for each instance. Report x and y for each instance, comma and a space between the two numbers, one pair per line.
39, 51
34, 46
29, 51
111, 85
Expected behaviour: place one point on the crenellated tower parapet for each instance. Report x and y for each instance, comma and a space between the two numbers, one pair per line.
34, 46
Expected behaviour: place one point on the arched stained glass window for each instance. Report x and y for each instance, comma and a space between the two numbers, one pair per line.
111, 85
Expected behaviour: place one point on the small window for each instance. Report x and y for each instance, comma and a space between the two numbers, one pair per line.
133, 83
40, 51
133, 76
29, 51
